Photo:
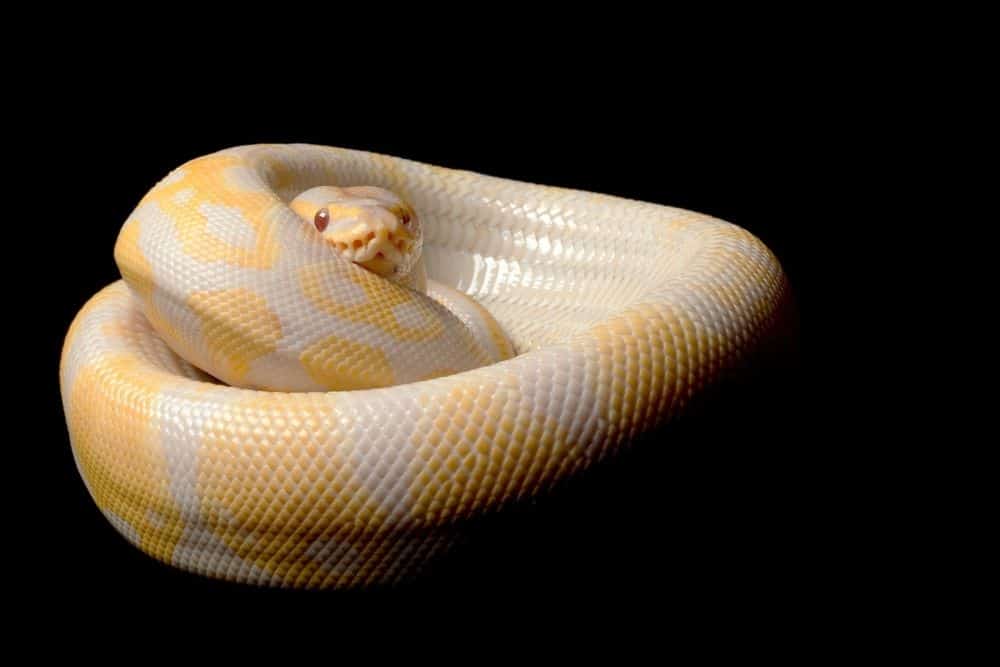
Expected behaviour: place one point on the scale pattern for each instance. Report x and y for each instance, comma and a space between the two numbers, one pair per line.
617, 311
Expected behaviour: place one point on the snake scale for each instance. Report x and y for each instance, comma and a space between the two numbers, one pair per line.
321, 362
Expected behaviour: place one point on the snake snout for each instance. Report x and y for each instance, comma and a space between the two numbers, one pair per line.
381, 250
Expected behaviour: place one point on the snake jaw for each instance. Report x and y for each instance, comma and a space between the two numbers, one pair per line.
367, 225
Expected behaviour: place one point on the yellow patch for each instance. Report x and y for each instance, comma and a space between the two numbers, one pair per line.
205, 182
111, 412
381, 297
237, 326
478, 446
134, 267
341, 364
279, 487
138, 275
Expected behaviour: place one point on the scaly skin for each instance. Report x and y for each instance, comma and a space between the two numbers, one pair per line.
618, 311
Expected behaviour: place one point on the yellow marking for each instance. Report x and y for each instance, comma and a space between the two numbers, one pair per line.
478, 431
237, 326
377, 310
138, 274
276, 485
341, 364
112, 411
205, 181
135, 268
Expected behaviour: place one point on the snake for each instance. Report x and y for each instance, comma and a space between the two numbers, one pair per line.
321, 365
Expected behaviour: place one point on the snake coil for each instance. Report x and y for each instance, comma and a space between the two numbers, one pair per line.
248, 405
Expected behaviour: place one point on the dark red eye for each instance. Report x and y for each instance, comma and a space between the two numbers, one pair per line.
406, 218
322, 219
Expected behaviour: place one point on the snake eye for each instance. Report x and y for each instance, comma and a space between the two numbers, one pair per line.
406, 219
322, 219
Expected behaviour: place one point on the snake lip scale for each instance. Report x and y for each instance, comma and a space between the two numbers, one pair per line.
248, 403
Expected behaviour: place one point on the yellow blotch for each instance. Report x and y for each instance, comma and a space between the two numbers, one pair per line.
133, 264
341, 364
381, 296
206, 181
276, 484
478, 446
237, 326
138, 275
111, 411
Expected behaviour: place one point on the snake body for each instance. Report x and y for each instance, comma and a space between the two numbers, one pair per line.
248, 404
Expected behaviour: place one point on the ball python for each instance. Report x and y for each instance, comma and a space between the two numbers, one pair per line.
320, 363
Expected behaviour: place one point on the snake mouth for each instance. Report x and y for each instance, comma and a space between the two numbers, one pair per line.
382, 251
367, 245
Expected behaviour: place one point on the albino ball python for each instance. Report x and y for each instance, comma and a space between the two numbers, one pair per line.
284, 391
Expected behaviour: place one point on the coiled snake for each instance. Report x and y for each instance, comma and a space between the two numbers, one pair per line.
284, 390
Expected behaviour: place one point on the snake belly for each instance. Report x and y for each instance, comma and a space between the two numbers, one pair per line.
243, 407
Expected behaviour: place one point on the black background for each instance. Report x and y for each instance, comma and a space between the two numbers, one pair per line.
706, 515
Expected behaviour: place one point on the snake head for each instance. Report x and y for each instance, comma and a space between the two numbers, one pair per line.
367, 225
